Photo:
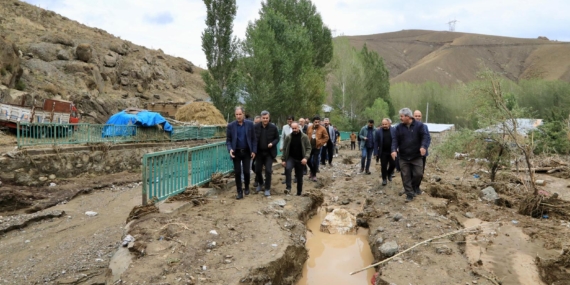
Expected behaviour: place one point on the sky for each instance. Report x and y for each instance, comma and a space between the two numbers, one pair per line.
176, 26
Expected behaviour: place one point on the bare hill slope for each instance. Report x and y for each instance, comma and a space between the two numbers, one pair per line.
53, 56
451, 57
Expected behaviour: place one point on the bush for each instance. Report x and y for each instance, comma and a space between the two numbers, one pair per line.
552, 137
20, 85
458, 141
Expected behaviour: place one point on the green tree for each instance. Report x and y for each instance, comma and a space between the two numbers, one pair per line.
285, 53
378, 111
221, 78
376, 79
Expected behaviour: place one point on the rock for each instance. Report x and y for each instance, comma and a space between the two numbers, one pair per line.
127, 240
91, 213
63, 54
379, 241
214, 232
139, 88
362, 223
124, 81
489, 194
397, 217
389, 248
345, 202
436, 178
56, 38
84, 52
125, 73
110, 59
279, 202
51, 176
156, 96
380, 229
540, 182
125, 96
339, 221
52, 184
330, 209
43, 178
444, 250
211, 245
469, 215
44, 51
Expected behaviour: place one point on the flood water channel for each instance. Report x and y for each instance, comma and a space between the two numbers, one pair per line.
333, 257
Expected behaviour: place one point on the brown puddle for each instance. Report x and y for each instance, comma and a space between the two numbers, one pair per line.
333, 257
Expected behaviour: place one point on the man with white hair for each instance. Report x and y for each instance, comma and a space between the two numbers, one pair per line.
411, 140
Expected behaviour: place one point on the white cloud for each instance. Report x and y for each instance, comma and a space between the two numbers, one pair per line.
179, 24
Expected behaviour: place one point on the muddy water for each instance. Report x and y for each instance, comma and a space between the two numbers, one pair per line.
333, 257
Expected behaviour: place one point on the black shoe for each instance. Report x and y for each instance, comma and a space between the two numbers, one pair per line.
401, 193
287, 190
246, 191
417, 191
255, 184
361, 170
298, 194
409, 199
368, 172
384, 182
239, 196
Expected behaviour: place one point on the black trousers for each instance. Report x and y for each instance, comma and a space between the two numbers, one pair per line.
264, 158
387, 164
314, 161
352, 145
327, 153
412, 172
298, 166
242, 158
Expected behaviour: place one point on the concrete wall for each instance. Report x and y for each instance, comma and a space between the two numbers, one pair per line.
39, 167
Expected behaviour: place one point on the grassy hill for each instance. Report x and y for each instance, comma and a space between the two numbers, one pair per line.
418, 56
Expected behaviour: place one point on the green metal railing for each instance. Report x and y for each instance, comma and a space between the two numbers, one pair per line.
207, 160
66, 134
164, 174
344, 136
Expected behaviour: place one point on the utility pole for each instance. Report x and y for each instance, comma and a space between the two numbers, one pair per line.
452, 25
427, 112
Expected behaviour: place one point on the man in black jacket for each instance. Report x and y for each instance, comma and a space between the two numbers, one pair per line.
296, 153
411, 140
267, 138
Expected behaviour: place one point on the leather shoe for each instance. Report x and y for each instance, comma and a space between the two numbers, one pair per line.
246, 191
239, 196
384, 182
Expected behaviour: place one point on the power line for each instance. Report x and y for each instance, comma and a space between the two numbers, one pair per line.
452, 25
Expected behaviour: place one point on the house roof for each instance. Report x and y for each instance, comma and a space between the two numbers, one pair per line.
523, 126
438, 128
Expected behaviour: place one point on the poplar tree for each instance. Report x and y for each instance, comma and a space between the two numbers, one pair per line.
221, 78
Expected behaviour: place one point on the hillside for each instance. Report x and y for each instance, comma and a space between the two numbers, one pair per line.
450, 57
52, 56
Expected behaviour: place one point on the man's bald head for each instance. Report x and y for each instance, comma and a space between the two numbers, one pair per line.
418, 115
295, 127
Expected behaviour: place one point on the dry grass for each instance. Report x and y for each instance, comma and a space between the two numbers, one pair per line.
200, 112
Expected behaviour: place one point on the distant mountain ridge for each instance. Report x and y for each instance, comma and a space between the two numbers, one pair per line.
418, 56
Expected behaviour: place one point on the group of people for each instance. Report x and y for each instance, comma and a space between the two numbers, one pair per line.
310, 143
253, 144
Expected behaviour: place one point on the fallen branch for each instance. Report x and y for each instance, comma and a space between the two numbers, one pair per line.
418, 244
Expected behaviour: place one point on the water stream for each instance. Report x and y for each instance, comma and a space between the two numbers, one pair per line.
333, 257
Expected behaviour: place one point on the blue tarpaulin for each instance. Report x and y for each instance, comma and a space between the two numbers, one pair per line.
125, 124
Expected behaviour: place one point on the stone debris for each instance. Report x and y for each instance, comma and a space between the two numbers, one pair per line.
91, 213
10, 223
128, 239
444, 250
339, 221
214, 232
469, 215
279, 202
397, 217
489, 194
389, 248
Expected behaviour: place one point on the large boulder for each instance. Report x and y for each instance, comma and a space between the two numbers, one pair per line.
110, 59
56, 38
339, 221
84, 52
9, 63
44, 51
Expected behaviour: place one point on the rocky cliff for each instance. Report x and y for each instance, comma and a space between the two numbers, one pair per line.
47, 55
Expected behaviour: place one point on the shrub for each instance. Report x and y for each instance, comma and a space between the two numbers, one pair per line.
552, 137
458, 141
20, 85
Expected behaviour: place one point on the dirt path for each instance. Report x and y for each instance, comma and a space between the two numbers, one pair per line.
73, 247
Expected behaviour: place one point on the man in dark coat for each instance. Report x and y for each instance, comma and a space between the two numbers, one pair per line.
242, 146
382, 149
267, 136
411, 140
296, 153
